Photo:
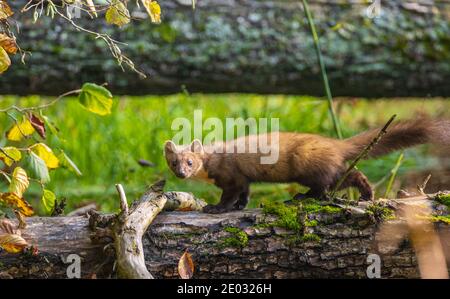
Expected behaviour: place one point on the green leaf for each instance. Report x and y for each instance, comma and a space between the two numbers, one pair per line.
96, 99
48, 200
68, 163
39, 168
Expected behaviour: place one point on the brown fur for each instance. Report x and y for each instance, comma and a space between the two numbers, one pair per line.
311, 160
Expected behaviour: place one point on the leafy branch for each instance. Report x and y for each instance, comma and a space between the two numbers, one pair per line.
30, 131
115, 11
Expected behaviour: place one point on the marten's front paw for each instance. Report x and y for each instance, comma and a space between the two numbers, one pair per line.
214, 209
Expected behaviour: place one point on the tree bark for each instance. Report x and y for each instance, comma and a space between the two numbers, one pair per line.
245, 46
253, 248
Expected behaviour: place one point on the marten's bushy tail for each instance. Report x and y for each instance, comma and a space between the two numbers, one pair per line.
400, 135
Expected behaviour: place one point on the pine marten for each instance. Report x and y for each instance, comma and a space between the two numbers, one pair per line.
310, 160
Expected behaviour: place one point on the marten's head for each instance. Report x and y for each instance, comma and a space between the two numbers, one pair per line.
184, 161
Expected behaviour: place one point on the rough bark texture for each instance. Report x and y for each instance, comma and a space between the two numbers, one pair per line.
246, 46
234, 245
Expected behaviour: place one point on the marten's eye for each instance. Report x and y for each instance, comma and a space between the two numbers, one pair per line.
174, 163
189, 162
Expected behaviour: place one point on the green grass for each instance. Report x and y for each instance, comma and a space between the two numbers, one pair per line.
106, 149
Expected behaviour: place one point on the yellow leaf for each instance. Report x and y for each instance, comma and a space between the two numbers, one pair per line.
186, 266
12, 243
5, 62
46, 154
19, 182
9, 155
15, 201
20, 131
117, 14
8, 43
5, 10
153, 10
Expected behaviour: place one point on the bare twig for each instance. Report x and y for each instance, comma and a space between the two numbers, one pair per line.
361, 155
123, 199
44, 106
422, 187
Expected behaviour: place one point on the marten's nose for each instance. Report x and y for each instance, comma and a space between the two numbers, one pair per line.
182, 174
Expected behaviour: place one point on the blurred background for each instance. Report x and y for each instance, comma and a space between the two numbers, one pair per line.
233, 59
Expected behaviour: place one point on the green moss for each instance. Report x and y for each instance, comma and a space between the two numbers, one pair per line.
311, 223
287, 215
444, 199
298, 239
314, 206
380, 211
238, 239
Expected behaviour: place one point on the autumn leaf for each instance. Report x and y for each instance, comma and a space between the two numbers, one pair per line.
9, 155
19, 181
5, 10
117, 14
48, 200
46, 154
8, 43
12, 243
5, 62
17, 202
37, 124
20, 130
96, 99
153, 10
186, 266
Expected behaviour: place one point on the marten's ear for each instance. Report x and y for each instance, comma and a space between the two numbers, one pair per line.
196, 146
170, 147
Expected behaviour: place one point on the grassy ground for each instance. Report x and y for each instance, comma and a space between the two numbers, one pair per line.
106, 149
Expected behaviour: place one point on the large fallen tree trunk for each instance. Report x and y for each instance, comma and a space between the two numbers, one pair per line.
245, 46
330, 241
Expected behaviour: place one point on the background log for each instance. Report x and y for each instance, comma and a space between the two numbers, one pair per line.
246, 46
234, 245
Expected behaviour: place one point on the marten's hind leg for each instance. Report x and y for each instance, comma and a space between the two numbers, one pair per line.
358, 180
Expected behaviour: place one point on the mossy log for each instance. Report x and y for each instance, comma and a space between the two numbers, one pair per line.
244, 46
333, 241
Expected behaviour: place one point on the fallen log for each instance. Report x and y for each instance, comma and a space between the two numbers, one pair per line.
331, 240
